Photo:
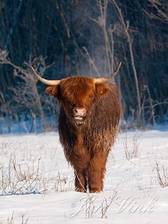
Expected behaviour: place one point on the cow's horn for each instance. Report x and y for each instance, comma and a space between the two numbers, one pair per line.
48, 82
99, 80
45, 81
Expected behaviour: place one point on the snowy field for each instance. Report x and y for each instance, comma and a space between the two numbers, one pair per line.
36, 183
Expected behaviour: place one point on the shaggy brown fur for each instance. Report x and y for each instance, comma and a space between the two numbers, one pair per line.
87, 146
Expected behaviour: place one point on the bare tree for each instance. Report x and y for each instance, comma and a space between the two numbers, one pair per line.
125, 25
26, 94
108, 32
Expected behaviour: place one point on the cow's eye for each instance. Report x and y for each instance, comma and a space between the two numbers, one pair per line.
73, 105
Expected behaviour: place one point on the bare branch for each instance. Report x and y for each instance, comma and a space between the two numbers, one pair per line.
117, 70
160, 13
91, 61
129, 40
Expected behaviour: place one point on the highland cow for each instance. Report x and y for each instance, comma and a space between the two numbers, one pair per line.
88, 123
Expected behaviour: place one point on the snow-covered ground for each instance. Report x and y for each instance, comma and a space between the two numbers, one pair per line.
36, 183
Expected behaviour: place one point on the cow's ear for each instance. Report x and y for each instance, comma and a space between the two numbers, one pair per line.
101, 88
52, 90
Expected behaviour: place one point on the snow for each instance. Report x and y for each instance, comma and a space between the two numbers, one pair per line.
36, 182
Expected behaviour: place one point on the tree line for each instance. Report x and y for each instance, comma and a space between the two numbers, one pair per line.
122, 39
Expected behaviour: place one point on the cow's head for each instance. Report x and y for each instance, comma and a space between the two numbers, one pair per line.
76, 95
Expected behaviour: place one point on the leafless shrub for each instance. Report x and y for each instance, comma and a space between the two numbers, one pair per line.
162, 175
11, 220
20, 178
62, 183
26, 178
131, 150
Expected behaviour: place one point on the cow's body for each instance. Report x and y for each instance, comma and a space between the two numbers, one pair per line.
86, 146
88, 123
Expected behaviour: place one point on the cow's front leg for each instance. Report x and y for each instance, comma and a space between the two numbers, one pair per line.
80, 180
96, 172
79, 160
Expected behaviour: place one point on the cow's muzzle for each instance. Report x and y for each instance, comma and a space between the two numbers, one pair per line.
79, 115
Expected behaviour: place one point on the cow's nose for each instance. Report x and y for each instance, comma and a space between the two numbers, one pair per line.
79, 111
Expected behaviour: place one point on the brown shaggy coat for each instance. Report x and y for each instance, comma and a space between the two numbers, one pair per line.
87, 146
